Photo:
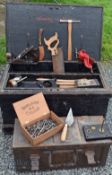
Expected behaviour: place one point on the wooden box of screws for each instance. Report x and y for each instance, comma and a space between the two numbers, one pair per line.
37, 122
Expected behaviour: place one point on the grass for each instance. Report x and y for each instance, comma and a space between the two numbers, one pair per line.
107, 24
2, 50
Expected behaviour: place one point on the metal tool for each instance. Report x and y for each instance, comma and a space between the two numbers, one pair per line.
52, 40
69, 21
90, 154
66, 83
24, 53
68, 122
58, 62
14, 82
17, 78
102, 126
46, 83
84, 82
57, 54
76, 53
97, 132
41, 129
41, 47
86, 59
8, 56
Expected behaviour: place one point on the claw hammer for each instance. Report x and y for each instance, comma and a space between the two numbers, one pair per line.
69, 21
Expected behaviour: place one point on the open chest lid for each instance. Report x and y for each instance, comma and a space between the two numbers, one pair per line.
22, 19
31, 109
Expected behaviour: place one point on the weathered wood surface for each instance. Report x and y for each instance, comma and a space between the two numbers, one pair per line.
54, 154
75, 135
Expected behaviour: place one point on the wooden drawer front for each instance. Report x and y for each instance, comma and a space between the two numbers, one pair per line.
29, 163
22, 165
56, 159
62, 158
69, 158
82, 157
27, 160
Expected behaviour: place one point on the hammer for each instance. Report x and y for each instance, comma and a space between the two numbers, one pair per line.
14, 82
69, 21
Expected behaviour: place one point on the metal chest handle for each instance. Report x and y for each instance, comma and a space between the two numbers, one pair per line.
90, 157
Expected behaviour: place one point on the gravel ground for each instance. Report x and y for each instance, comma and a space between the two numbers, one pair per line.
7, 160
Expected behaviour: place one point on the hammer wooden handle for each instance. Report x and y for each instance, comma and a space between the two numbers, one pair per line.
69, 21
69, 40
64, 133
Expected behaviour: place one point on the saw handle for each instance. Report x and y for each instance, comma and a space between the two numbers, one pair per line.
64, 133
69, 41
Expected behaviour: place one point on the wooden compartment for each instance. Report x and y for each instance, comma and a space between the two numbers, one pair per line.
24, 18
32, 83
46, 67
91, 100
54, 154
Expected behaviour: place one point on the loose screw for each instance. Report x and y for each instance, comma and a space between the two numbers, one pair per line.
41, 127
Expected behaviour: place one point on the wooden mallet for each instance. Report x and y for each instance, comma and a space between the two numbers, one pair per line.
69, 21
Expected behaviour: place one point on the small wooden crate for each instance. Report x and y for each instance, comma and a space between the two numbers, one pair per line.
33, 109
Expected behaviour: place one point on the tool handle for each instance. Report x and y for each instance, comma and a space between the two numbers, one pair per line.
40, 36
43, 79
41, 53
22, 79
59, 81
69, 41
66, 87
64, 133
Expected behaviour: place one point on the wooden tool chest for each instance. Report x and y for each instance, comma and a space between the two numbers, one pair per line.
28, 18
54, 154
